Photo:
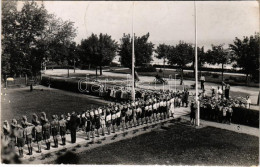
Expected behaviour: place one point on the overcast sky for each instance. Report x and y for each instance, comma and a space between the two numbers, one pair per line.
167, 21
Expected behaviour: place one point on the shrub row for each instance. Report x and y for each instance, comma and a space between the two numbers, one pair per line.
70, 85
146, 69
240, 115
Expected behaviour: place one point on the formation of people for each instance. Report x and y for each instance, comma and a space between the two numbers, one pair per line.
149, 107
155, 106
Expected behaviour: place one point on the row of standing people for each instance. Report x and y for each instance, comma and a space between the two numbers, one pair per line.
95, 121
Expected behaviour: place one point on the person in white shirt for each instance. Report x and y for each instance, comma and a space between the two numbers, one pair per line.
248, 102
154, 111
219, 92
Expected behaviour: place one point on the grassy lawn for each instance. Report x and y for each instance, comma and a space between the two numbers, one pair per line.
179, 145
51, 101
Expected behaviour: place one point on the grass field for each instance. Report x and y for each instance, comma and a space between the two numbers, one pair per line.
18, 102
179, 145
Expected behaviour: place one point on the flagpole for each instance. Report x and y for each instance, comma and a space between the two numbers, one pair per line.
133, 57
196, 68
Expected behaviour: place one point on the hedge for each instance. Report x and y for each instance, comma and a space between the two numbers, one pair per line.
240, 115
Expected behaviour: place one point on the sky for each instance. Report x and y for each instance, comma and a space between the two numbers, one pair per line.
218, 22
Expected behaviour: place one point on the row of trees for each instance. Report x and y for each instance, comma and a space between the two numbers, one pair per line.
242, 53
32, 36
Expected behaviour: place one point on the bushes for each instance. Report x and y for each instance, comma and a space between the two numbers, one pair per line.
245, 116
240, 115
70, 85
215, 75
146, 69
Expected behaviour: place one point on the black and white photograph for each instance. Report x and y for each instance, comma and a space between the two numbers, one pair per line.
171, 83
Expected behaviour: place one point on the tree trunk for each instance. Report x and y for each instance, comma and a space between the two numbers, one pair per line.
100, 68
89, 66
68, 72
222, 76
181, 77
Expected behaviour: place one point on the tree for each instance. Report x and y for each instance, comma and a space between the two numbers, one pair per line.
98, 50
9, 13
245, 54
35, 35
163, 52
181, 54
219, 55
143, 50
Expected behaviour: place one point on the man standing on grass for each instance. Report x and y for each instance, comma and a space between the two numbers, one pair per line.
73, 126
202, 80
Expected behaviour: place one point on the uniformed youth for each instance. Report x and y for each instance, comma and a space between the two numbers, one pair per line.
55, 130
38, 135
19, 134
46, 131
62, 126
93, 125
28, 129
103, 121
108, 121
88, 125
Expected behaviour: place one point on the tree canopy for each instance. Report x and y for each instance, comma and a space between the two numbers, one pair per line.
35, 34
98, 50
245, 54
143, 50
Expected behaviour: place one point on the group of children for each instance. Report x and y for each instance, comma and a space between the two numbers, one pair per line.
95, 122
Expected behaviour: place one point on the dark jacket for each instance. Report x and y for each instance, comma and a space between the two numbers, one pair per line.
73, 121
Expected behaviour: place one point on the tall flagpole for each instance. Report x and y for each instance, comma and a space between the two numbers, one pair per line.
196, 68
133, 56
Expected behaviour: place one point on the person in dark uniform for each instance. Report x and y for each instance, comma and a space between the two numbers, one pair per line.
73, 126
192, 113
123, 114
46, 131
34, 120
103, 121
97, 122
88, 125
38, 135
19, 134
113, 119
118, 117
28, 129
93, 125
62, 125
12, 133
55, 130
108, 121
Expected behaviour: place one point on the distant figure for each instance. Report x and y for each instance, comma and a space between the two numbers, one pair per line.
248, 102
219, 92
227, 89
73, 126
202, 80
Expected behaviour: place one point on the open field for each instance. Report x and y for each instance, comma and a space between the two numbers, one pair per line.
18, 102
181, 144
